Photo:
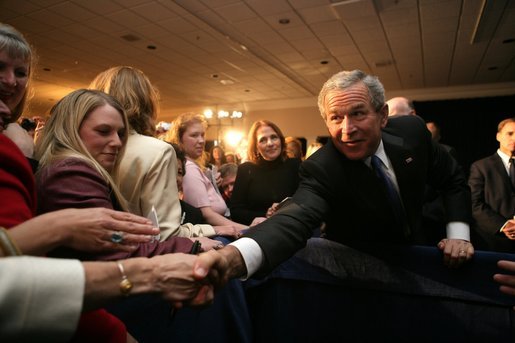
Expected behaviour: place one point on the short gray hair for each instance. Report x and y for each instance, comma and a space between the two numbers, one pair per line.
346, 79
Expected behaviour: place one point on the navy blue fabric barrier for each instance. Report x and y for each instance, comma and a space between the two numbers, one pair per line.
149, 319
332, 293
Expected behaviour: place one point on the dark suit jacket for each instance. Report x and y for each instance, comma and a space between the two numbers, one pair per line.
348, 196
493, 201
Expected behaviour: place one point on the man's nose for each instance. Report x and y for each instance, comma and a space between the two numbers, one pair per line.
347, 125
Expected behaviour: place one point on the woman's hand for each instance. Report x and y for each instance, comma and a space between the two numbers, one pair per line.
91, 230
257, 220
208, 243
102, 229
227, 230
271, 210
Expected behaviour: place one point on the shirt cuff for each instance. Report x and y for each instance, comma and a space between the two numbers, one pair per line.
458, 230
251, 253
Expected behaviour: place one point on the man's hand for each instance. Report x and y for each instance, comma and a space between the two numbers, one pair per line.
456, 251
507, 281
216, 268
175, 281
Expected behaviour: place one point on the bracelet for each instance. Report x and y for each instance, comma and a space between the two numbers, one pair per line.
7, 244
125, 284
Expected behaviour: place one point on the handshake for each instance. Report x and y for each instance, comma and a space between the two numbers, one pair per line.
191, 280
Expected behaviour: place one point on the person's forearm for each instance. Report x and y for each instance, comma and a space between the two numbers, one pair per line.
216, 219
103, 280
40, 234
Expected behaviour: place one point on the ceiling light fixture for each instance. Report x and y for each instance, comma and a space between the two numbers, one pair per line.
221, 114
151, 47
284, 21
227, 82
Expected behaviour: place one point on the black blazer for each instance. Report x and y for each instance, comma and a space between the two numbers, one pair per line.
349, 198
493, 201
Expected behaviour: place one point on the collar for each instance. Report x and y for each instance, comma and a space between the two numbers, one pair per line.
505, 159
382, 156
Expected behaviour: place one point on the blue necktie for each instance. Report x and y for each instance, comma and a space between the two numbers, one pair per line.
393, 195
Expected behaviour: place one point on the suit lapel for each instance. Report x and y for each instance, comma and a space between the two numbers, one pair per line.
404, 164
401, 159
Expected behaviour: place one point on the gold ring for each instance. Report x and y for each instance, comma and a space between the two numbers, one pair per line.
462, 252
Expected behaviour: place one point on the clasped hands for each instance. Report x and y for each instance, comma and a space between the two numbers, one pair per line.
456, 251
208, 272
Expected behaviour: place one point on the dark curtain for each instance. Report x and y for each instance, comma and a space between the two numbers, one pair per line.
468, 125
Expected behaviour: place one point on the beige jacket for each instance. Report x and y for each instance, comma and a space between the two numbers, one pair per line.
147, 177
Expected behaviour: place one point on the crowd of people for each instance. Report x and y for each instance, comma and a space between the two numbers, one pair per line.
118, 212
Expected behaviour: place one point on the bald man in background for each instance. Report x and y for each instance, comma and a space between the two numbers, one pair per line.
400, 106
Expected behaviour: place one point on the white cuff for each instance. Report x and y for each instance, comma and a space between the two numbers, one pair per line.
458, 230
251, 253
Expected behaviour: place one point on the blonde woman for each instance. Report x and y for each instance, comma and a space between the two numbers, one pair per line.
148, 168
188, 131
78, 152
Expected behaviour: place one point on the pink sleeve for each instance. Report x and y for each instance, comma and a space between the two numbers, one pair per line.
194, 186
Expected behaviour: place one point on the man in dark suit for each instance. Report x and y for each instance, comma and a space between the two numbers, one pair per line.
339, 187
493, 194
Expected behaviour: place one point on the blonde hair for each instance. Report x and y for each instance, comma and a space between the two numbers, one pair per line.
17, 47
60, 138
253, 154
179, 127
132, 88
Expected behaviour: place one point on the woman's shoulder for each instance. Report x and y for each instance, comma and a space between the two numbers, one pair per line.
69, 163
67, 167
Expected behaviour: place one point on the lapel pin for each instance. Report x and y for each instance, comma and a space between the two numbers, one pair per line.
409, 160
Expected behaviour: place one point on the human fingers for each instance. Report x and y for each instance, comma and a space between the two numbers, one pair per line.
510, 234
226, 230
132, 227
128, 217
507, 283
506, 265
204, 297
460, 252
209, 264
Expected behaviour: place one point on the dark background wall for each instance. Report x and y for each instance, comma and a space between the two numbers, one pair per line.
468, 125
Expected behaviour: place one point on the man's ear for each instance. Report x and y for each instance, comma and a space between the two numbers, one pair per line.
383, 113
